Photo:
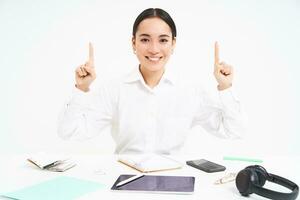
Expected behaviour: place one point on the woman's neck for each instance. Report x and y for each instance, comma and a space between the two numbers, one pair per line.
151, 78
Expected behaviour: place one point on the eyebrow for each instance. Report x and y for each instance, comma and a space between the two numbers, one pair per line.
147, 35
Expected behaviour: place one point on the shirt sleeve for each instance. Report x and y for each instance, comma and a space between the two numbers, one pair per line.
222, 117
86, 114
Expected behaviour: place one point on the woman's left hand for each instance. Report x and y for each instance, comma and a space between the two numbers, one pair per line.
222, 71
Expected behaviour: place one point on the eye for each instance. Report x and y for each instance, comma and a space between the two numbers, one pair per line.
144, 40
163, 40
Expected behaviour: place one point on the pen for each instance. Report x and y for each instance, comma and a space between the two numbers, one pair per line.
52, 164
130, 180
242, 159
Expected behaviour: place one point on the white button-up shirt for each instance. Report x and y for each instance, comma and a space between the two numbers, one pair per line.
145, 120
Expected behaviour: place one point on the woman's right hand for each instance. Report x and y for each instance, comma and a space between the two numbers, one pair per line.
86, 74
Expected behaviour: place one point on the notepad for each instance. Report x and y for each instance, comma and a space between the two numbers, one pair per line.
60, 188
150, 162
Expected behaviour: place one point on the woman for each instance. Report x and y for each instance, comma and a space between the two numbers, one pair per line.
150, 110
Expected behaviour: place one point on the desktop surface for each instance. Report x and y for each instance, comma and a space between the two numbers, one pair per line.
17, 173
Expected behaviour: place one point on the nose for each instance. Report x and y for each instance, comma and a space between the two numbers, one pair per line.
153, 48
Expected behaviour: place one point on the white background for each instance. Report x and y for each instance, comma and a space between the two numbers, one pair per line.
42, 42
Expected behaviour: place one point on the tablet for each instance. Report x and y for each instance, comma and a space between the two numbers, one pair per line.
157, 184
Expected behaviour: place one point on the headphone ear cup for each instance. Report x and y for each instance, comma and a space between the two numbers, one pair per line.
262, 176
243, 182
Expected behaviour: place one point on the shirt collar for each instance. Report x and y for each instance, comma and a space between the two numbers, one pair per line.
135, 75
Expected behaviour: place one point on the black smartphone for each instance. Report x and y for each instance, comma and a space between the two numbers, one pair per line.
206, 165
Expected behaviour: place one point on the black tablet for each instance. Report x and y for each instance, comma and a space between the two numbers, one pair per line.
159, 184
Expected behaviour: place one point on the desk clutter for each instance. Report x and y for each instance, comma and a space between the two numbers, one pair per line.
250, 180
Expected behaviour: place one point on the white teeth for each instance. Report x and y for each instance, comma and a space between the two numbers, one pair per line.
153, 58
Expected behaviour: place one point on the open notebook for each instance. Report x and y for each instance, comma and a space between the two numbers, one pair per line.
150, 162
50, 162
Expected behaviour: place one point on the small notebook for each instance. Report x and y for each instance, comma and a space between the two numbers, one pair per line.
150, 162
51, 162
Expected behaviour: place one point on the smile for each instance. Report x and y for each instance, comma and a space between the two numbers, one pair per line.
153, 59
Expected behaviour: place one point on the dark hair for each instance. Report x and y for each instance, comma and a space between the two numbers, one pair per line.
155, 12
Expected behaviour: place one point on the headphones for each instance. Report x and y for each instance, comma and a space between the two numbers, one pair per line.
252, 179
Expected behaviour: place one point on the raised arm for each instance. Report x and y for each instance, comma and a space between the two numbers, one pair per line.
85, 114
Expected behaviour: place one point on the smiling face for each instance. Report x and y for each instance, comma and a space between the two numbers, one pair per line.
153, 44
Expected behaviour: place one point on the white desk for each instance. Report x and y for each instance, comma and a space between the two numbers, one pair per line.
16, 173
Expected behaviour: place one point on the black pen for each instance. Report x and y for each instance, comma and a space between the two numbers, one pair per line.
52, 164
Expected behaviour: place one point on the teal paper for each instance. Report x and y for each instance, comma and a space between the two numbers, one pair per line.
60, 188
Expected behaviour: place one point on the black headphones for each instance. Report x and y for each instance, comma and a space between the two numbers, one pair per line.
252, 179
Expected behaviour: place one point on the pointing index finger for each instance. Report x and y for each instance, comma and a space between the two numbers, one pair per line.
91, 55
217, 58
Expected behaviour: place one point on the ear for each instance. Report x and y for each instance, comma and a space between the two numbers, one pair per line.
173, 43
133, 43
